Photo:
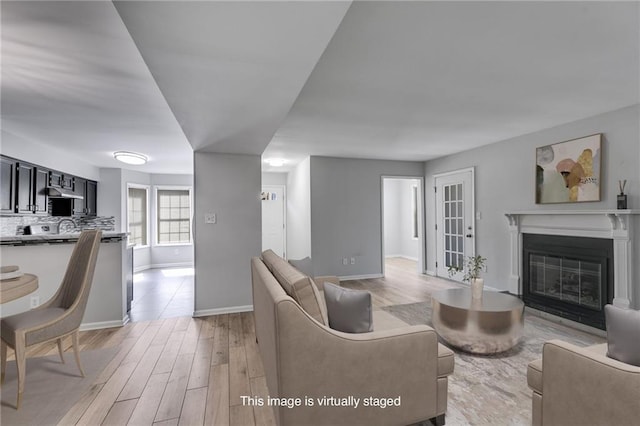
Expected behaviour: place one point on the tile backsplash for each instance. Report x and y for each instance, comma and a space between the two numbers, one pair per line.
14, 225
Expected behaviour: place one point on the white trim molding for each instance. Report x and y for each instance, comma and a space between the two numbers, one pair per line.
103, 324
617, 225
220, 311
360, 277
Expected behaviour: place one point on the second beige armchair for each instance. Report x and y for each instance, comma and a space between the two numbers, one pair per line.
582, 386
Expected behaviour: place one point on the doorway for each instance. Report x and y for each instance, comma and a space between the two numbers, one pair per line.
274, 226
455, 225
402, 220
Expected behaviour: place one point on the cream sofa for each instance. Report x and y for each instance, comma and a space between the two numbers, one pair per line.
582, 386
304, 358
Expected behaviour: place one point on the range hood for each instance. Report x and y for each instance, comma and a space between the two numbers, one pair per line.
62, 193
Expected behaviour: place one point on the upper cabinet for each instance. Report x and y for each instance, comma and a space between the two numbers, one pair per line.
8, 180
80, 189
31, 188
91, 198
24, 189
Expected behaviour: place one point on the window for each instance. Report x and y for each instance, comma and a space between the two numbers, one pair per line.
137, 215
174, 216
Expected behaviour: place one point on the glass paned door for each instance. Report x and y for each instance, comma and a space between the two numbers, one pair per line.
453, 219
455, 238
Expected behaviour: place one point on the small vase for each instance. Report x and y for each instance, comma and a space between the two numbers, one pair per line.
622, 201
477, 285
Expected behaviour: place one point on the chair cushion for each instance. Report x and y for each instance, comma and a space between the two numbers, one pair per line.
623, 334
27, 320
303, 265
348, 310
534, 375
445, 360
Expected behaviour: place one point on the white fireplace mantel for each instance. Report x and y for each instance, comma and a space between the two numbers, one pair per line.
617, 225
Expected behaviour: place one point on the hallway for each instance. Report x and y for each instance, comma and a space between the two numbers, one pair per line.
162, 293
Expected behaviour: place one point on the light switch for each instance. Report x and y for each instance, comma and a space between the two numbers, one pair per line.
210, 218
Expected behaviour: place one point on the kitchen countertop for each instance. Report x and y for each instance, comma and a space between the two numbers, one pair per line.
16, 240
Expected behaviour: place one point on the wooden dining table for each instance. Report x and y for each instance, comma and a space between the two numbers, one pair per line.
15, 288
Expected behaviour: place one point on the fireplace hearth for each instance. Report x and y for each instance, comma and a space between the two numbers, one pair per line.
568, 276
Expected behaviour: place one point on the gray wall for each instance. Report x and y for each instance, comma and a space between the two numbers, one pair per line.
229, 186
346, 212
47, 156
110, 196
299, 211
505, 181
272, 178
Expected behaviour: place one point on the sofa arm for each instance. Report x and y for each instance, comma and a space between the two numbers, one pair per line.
580, 386
316, 361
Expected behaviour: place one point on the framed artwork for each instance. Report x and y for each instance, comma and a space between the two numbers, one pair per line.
569, 172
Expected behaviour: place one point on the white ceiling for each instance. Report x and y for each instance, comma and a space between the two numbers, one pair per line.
398, 80
72, 78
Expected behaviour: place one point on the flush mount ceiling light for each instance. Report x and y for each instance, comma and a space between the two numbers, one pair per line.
130, 157
275, 162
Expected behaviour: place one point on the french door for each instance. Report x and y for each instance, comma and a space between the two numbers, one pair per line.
455, 225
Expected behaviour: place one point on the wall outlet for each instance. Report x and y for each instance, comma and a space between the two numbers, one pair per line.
210, 218
345, 261
35, 301
353, 260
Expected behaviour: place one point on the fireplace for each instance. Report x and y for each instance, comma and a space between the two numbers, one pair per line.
568, 276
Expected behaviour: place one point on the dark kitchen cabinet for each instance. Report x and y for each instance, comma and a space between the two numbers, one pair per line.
25, 183
88, 190
41, 204
80, 189
8, 184
91, 198
31, 189
25, 190
61, 180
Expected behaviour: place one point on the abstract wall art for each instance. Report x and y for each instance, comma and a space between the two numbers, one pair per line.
569, 172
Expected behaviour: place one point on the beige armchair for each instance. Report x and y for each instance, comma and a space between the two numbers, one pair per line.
57, 318
582, 386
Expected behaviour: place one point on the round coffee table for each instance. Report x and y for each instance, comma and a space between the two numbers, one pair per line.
488, 325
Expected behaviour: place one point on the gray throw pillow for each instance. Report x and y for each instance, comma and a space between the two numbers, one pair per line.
348, 310
303, 265
623, 334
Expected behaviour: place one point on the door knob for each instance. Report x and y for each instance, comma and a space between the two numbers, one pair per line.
469, 235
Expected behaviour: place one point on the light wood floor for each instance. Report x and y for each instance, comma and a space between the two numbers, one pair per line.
192, 371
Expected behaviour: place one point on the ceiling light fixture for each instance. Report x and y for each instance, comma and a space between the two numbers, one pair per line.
275, 162
130, 157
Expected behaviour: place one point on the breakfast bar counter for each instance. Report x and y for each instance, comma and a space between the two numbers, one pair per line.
47, 256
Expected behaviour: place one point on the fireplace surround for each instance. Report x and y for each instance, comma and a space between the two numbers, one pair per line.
619, 227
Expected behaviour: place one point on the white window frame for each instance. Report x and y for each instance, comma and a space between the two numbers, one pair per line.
156, 219
146, 188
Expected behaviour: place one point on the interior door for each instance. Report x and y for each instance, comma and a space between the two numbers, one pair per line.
455, 225
273, 219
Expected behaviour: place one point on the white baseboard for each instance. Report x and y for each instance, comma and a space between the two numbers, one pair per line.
220, 311
141, 268
172, 265
103, 324
431, 273
163, 265
415, 259
360, 277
